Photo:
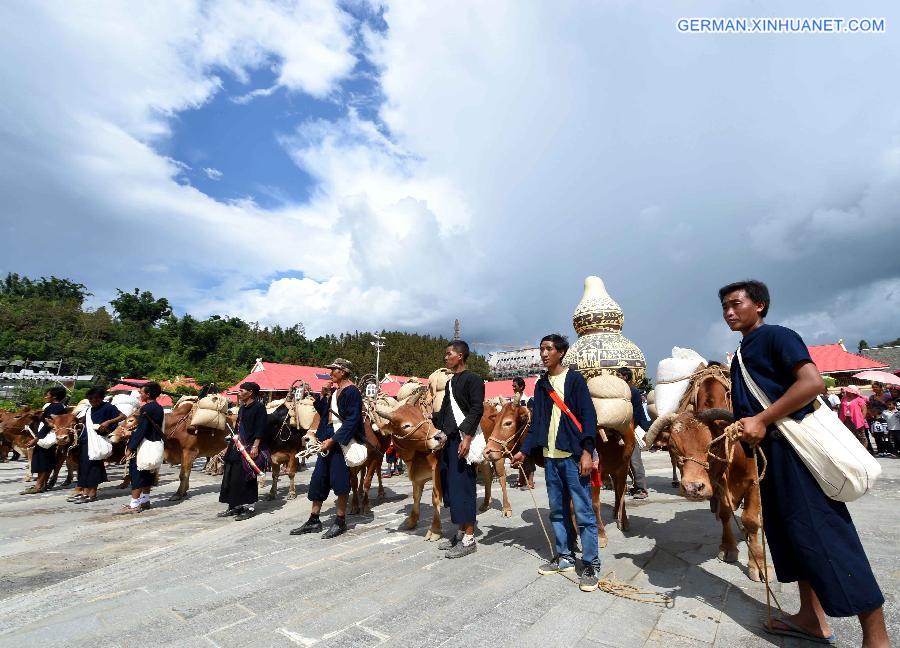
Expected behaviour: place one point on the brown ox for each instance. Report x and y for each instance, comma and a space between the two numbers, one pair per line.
15, 428
285, 441
615, 459
705, 475
504, 432
417, 443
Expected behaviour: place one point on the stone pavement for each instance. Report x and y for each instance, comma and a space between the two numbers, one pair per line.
74, 575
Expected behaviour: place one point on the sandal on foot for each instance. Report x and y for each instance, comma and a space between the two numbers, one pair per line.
791, 629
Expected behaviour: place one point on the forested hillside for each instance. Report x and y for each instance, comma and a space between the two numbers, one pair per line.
138, 335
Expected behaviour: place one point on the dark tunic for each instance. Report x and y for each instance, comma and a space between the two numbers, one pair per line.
150, 423
457, 476
811, 537
331, 472
239, 485
93, 473
44, 459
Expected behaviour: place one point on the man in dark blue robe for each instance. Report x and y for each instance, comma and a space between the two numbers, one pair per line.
151, 420
240, 488
43, 460
811, 537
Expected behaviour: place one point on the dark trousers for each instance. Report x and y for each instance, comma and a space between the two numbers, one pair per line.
140, 478
458, 483
330, 474
90, 473
812, 538
637, 469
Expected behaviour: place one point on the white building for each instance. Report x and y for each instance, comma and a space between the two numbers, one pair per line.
521, 362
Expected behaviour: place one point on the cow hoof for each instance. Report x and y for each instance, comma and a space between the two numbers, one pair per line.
507, 513
484, 507
269, 497
292, 496
675, 484
602, 541
381, 493
176, 497
409, 524
432, 536
729, 556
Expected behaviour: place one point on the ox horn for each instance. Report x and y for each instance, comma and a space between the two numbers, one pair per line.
708, 417
385, 414
659, 425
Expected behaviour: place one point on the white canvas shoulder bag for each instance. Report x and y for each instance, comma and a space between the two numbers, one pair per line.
98, 447
477, 445
841, 465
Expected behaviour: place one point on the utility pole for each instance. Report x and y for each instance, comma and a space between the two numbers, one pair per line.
456, 329
379, 345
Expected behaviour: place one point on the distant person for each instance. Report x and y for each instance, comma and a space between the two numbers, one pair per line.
892, 419
528, 466
879, 398
811, 537
639, 486
853, 413
151, 419
459, 419
43, 460
91, 473
834, 401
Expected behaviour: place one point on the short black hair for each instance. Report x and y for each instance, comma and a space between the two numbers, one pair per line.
625, 371
757, 291
57, 392
518, 381
152, 389
460, 347
560, 342
95, 391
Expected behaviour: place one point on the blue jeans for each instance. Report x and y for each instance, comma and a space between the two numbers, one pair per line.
564, 484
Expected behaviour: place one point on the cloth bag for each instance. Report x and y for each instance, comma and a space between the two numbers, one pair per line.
477, 445
150, 453
47, 441
98, 447
841, 465
355, 453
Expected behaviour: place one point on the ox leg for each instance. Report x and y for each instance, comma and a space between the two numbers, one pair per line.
756, 568
434, 533
28, 453
292, 471
380, 484
273, 491
485, 468
412, 521
71, 468
728, 551
184, 476
501, 476
355, 494
126, 481
619, 483
602, 540
675, 479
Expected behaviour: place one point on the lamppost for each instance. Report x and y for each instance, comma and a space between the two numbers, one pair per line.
379, 345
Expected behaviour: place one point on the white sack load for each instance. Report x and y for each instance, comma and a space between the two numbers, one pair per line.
673, 375
651, 405
186, 399
408, 389
126, 403
83, 406
304, 413
612, 402
211, 412
437, 384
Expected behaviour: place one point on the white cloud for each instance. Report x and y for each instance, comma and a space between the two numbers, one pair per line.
212, 174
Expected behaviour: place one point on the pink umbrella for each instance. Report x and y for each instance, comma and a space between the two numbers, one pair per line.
878, 376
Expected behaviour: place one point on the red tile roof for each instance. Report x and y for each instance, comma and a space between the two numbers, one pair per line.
833, 358
279, 377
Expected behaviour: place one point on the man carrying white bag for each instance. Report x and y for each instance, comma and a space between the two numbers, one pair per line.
810, 534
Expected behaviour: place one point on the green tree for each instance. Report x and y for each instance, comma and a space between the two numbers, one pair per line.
140, 307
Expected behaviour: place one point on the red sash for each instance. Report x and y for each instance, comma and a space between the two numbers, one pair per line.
555, 397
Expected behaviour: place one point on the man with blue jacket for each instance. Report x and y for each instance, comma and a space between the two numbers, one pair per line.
340, 422
563, 437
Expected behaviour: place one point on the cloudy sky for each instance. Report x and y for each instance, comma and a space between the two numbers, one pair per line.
364, 165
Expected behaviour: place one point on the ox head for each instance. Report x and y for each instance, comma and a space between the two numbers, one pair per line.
688, 436
510, 428
407, 423
65, 426
14, 423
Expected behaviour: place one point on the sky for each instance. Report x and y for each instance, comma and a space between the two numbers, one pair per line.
397, 165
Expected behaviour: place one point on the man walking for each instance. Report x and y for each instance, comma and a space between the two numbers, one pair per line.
811, 537
340, 422
639, 487
240, 489
526, 481
459, 419
562, 434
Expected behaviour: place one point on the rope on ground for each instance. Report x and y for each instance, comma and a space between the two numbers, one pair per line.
608, 583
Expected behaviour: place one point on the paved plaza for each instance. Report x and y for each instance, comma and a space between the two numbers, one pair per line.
75, 575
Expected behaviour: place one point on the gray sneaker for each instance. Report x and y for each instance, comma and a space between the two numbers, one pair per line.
449, 543
459, 550
559, 565
589, 580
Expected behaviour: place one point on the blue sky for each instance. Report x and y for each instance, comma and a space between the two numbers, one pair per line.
412, 163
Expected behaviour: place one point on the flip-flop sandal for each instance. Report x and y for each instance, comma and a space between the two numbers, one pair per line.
791, 629
75, 498
85, 500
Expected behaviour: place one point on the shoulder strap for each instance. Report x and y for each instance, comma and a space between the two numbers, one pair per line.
558, 401
758, 393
